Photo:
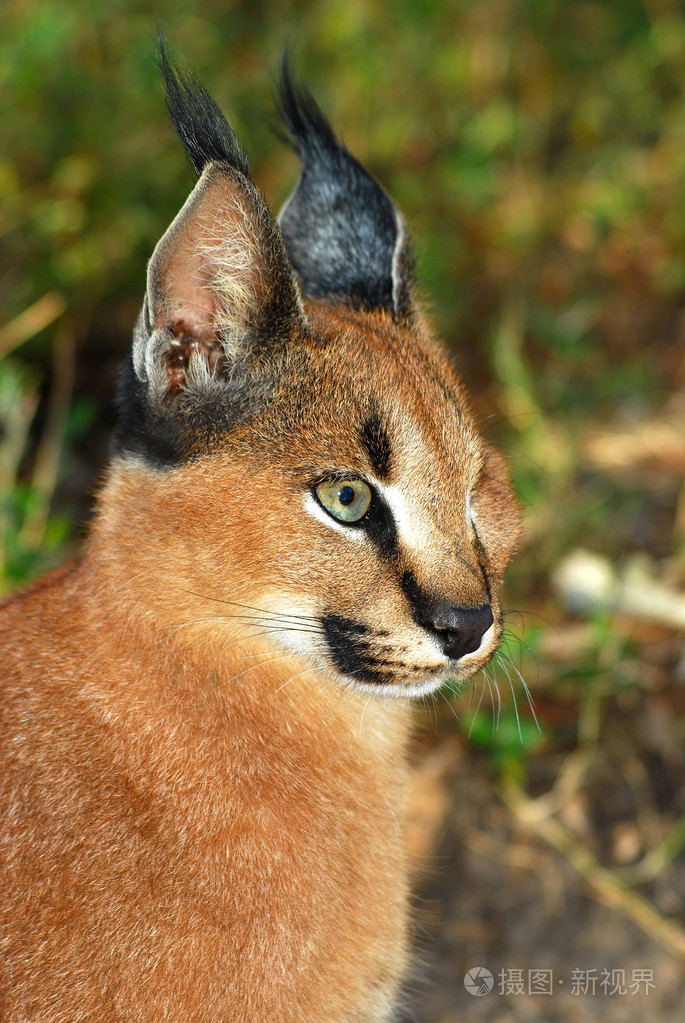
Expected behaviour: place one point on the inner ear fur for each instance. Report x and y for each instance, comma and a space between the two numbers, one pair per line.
220, 288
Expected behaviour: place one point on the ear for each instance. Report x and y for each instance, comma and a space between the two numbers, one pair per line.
343, 234
221, 298
220, 289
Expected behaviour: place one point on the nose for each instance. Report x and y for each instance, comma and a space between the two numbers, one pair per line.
459, 630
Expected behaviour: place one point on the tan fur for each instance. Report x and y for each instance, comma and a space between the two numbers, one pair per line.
202, 820
172, 833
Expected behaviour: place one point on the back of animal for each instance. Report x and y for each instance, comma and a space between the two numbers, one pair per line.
205, 715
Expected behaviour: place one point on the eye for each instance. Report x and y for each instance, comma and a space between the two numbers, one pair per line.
345, 500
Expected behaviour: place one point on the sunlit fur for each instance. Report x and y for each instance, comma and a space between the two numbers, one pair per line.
203, 815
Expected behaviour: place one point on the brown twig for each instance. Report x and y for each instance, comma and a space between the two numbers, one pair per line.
46, 467
608, 888
34, 319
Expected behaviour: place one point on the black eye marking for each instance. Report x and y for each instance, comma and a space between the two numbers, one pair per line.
381, 529
411, 589
376, 441
482, 561
350, 650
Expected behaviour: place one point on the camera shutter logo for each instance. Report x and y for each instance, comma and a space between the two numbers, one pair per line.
479, 981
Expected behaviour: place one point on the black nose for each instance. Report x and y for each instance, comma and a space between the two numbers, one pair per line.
458, 629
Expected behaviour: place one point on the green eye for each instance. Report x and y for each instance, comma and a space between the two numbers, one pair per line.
345, 500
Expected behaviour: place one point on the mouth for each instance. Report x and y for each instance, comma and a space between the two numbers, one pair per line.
366, 661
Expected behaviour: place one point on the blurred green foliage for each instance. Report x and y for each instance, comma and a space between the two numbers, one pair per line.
537, 149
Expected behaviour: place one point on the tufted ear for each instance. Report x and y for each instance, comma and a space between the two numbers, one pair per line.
221, 296
220, 288
344, 236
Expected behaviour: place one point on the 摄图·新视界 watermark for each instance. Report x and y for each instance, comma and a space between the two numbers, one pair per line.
604, 982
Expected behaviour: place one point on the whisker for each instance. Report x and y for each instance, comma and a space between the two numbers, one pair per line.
253, 667
251, 623
492, 680
421, 700
249, 607
267, 626
488, 680
449, 703
472, 689
512, 637
499, 695
279, 620
475, 713
498, 420
513, 695
514, 612
361, 720
434, 709
522, 647
299, 673
528, 693
522, 615
131, 579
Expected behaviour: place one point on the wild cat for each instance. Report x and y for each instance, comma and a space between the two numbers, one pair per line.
205, 714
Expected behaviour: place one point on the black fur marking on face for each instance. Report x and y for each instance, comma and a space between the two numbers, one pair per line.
349, 649
482, 562
197, 119
139, 431
374, 437
381, 529
168, 435
411, 590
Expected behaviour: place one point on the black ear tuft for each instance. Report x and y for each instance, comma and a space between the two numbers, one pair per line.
221, 302
197, 120
343, 234
307, 128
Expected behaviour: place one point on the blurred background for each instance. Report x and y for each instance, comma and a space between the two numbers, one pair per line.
538, 152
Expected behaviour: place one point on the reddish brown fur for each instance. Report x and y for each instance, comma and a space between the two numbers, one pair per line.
202, 823
171, 834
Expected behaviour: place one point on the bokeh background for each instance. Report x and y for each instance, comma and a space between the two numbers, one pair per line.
538, 152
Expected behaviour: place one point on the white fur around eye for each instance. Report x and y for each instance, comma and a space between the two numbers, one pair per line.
314, 508
408, 530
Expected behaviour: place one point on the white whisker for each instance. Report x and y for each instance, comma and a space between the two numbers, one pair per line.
513, 695
475, 713
442, 693
361, 720
528, 693
488, 682
254, 667
318, 667
250, 607
493, 679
